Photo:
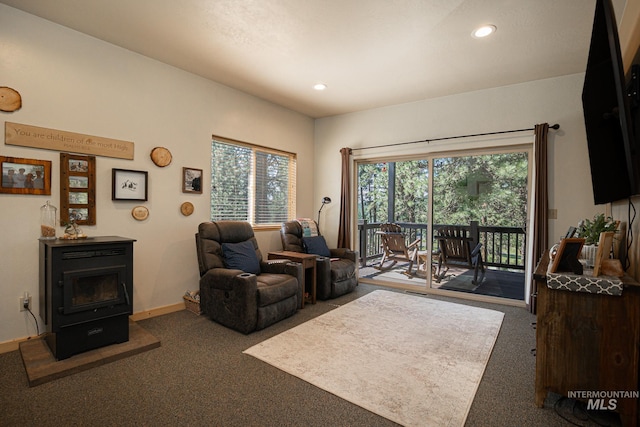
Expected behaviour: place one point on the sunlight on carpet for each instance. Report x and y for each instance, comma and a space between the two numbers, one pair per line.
413, 360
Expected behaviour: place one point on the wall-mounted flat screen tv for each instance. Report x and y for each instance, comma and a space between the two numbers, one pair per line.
613, 151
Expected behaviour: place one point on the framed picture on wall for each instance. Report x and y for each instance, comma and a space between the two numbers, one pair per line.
25, 176
191, 180
77, 189
129, 185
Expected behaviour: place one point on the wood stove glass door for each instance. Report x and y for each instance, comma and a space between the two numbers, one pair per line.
94, 288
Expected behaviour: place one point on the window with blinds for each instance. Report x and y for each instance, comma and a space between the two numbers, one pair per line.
252, 183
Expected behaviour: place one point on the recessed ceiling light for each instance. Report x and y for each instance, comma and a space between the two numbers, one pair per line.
484, 31
319, 86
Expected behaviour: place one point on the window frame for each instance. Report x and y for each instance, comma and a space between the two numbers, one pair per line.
252, 202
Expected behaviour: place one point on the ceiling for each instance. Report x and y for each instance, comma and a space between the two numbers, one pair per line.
370, 53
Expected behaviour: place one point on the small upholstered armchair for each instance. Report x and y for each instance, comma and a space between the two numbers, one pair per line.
237, 288
336, 269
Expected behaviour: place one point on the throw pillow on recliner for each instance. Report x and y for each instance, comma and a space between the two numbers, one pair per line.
316, 245
241, 256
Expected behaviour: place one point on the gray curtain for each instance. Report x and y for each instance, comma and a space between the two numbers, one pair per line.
541, 206
344, 228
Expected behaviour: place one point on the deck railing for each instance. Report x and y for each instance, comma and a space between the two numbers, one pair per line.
502, 247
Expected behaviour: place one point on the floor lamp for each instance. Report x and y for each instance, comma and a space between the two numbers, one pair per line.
325, 201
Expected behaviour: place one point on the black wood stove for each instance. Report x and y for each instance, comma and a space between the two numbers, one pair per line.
86, 292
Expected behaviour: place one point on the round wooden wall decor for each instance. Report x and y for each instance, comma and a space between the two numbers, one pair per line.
10, 99
161, 156
186, 208
140, 213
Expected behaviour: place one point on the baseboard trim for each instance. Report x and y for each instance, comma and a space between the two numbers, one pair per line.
159, 311
13, 345
7, 346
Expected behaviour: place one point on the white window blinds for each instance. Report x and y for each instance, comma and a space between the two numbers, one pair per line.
252, 183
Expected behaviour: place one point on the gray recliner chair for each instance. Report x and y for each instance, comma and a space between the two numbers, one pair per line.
237, 288
333, 278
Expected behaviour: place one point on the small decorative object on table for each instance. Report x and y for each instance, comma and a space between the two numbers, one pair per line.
48, 221
566, 256
72, 231
192, 301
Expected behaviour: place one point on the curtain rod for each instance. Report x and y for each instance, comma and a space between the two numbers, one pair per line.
556, 127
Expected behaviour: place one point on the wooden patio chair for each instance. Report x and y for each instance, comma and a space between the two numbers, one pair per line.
394, 248
455, 251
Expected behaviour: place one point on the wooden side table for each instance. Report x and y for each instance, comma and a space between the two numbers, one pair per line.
308, 262
421, 268
588, 342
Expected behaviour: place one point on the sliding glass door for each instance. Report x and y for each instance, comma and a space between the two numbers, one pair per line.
479, 223
467, 211
393, 192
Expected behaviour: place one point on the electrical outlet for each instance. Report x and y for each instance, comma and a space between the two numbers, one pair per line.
23, 299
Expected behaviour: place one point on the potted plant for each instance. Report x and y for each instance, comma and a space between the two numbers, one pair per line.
590, 231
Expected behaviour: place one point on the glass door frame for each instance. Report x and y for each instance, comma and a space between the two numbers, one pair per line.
508, 144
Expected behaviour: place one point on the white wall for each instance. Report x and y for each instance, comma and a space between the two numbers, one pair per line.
519, 106
72, 82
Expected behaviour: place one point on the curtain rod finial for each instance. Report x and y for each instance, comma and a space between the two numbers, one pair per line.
556, 126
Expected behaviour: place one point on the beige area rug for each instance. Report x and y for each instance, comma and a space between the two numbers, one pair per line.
413, 360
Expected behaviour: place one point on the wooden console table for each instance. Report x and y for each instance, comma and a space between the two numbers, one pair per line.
308, 262
588, 342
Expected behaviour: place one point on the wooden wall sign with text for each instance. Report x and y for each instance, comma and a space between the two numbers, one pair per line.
52, 139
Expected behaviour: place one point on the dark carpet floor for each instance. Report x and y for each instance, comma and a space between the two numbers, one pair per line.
199, 377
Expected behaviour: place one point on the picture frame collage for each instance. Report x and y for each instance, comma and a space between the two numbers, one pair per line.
78, 185
77, 189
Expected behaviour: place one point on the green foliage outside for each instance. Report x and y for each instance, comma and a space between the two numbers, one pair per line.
249, 184
490, 189
272, 188
230, 167
373, 181
412, 191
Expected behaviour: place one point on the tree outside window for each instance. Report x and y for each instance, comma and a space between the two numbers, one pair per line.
251, 183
